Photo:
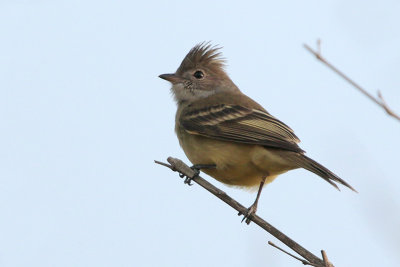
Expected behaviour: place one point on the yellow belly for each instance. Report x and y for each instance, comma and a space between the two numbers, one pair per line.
237, 164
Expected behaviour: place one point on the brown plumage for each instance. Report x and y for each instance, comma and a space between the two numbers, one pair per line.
217, 124
235, 122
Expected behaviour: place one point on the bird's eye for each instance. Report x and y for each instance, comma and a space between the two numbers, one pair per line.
198, 74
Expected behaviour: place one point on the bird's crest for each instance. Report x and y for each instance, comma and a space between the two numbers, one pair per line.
203, 55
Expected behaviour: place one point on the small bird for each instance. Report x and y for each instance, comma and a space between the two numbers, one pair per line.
228, 135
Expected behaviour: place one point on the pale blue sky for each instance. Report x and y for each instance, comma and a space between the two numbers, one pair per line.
83, 115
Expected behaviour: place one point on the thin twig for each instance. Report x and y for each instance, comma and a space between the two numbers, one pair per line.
378, 100
297, 258
325, 258
182, 168
164, 164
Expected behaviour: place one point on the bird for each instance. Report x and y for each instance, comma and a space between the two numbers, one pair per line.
228, 135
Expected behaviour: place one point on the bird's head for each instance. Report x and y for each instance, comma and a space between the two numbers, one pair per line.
200, 75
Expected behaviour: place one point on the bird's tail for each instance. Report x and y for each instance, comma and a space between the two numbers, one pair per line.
313, 166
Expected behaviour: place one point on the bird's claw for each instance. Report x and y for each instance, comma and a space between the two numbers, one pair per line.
188, 180
247, 217
196, 169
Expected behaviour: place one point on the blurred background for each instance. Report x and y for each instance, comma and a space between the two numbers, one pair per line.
83, 115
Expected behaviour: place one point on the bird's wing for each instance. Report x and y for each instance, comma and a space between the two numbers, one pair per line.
235, 123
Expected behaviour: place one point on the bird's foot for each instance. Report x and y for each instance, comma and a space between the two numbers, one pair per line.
196, 168
249, 213
188, 179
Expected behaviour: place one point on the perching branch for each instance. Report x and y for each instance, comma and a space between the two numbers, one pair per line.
378, 100
185, 170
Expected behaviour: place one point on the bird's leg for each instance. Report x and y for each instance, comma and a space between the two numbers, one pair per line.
196, 168
253, 208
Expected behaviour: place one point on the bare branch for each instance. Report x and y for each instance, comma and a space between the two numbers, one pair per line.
183, 169
377, 100
297, 258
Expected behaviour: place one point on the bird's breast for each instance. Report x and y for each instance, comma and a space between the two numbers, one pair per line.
237, 164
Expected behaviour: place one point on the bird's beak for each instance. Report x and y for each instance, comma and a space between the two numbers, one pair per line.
172, 78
